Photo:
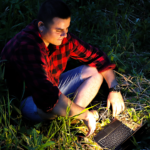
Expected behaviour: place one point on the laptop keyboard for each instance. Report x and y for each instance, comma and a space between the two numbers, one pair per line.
116, 137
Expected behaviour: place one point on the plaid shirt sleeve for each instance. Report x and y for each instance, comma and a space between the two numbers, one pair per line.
30, 61
90, 55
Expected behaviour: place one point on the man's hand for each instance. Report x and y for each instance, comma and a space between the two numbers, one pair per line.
117, 102
90, 122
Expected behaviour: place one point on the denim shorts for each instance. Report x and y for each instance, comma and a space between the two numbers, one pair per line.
68, 83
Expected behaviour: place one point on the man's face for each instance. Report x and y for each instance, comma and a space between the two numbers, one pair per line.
56, 31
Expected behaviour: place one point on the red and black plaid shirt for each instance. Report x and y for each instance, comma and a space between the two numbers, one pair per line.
29, 60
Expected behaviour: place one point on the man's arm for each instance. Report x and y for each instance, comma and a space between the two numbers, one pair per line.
109, 76
60, 110
114, 98
95, 57
90, 55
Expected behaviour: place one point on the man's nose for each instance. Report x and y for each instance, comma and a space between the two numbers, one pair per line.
64, 34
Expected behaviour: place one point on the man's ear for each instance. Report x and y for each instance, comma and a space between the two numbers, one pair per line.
41, 26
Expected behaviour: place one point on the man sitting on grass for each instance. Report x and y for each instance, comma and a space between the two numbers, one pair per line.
39, 54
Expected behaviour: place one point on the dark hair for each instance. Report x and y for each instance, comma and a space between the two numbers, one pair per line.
53, 8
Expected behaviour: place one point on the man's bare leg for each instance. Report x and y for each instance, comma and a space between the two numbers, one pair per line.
84, 95
89, 88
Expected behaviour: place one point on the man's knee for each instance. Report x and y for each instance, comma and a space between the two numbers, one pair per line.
88, 71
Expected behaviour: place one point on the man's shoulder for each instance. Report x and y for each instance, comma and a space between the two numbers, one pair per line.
27, 39
29, 35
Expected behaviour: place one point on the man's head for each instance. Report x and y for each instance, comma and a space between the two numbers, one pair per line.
53, 21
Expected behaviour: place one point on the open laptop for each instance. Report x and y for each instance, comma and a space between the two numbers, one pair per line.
116, 136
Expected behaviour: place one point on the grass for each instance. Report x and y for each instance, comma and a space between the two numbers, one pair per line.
121, 29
